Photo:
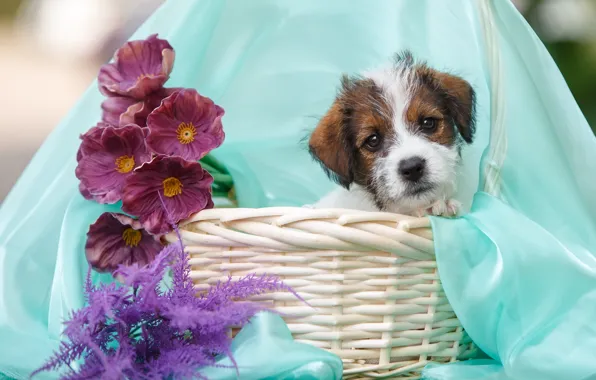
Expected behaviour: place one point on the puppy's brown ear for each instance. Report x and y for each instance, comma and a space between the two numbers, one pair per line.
328, 145
461, 102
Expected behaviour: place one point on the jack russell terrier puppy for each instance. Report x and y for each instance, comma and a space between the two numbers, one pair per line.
392, 139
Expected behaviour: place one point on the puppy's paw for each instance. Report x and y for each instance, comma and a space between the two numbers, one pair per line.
449, 207
419, 213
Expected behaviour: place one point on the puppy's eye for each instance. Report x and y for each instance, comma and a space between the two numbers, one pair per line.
428, 124
373, 142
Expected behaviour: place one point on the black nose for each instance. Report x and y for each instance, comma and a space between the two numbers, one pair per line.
412, 169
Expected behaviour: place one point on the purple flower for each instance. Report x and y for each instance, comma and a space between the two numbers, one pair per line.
107, 156
90, 144
184, 188
84, 192
116, 239
122, 110
186, 124
139, 68
251, 285
91, 140
114, 106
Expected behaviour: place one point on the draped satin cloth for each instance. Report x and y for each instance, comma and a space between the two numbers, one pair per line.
519, 269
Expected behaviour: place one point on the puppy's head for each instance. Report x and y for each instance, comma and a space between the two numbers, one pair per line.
397, 132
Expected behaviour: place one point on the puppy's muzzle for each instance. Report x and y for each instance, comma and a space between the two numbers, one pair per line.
412, 169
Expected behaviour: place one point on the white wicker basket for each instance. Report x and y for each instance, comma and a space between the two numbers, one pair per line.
371, 280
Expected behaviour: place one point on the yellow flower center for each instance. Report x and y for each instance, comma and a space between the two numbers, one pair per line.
172, 187
124, 164
131, 237
186, 133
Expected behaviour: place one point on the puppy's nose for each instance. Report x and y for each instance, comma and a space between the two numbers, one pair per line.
412, 169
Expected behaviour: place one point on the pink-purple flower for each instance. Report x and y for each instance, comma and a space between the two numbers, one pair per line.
90, 140
139, 68
122, 110
181, 186
106, 157
90, 144
149, 169
114, 106
186, 124
116, 239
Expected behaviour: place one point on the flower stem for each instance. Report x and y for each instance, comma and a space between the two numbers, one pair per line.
211, 161
223, 180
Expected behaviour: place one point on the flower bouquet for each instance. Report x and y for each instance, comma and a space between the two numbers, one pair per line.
150, 152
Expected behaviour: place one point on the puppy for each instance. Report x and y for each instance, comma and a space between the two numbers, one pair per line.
392, 139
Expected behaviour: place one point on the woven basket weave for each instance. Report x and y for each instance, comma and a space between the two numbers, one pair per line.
370, 279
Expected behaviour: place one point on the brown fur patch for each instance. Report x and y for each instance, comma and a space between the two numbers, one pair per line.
425, 103
339, 141
327, 144
448, 99
370, 114
453, 98
462, 102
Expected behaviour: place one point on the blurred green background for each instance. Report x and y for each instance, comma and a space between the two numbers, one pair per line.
8, 8
568, 29
60, 44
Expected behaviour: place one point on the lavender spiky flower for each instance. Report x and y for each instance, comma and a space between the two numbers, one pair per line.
137, 330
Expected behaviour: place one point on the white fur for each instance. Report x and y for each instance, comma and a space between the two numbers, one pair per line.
356, 198
441, 161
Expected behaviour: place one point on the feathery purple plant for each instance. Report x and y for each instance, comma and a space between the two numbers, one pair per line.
141, 331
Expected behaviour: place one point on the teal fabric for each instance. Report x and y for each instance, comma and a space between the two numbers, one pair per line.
525, 294
520, 271
268, 340
517, 270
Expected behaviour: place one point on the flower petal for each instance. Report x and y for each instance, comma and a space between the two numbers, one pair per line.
114, 107
113, 240
183, 187
186, 124
127, 220
84, 192
91, 140
139, 68
167, 63
156, 222
137, 113
98, 175
103, 172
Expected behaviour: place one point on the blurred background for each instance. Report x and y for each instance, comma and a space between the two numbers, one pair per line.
50, 50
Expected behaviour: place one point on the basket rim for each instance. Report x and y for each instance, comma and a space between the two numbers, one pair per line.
289, 214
